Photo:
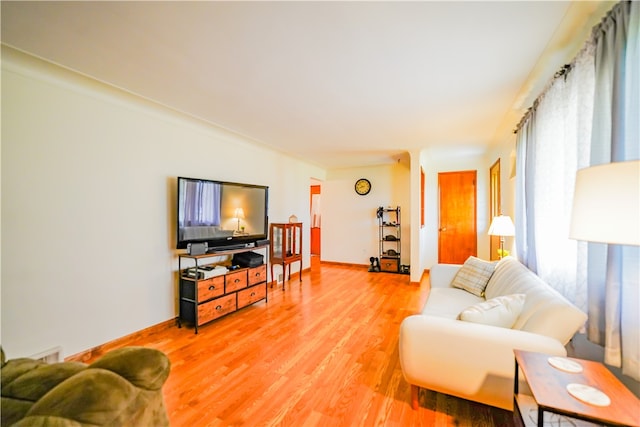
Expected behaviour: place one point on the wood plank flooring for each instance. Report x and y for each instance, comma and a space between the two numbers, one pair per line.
323, 352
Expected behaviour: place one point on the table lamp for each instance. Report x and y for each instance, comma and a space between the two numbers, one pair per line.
239, 214
501, 226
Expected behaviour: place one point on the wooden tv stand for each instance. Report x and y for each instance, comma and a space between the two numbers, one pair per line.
202, 300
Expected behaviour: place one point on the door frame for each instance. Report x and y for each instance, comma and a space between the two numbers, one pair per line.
495, 207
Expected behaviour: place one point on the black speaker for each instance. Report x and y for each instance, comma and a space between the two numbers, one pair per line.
262, 242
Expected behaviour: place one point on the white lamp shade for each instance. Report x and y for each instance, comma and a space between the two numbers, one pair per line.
239, 213
501, 226
606, 204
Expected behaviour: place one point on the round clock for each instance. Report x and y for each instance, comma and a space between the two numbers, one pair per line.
363, 186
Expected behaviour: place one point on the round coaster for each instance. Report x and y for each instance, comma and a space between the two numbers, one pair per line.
588, 394
565, 364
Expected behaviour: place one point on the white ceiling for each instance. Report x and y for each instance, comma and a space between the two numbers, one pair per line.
339, 84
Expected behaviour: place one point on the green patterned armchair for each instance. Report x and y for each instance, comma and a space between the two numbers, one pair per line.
123, 388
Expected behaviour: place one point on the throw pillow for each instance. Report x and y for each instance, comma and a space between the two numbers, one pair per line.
500, 311
474, 275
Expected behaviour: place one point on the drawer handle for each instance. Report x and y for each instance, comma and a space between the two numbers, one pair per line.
257, 274
253, 294
211, 287
219, 307
236, 281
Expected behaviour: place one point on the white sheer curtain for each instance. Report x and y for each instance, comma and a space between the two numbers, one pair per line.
552, 145
585, 117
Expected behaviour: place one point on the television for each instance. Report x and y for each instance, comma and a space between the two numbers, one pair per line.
225, 215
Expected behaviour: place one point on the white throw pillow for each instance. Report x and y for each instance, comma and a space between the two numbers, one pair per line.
474, 275
500, 311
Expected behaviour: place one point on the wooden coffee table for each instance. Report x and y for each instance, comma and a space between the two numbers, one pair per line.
548, 386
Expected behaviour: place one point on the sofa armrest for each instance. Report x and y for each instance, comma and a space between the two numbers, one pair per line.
441, 275
144, 367
446, 354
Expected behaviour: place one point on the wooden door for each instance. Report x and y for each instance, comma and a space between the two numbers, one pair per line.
315, 220
457, 235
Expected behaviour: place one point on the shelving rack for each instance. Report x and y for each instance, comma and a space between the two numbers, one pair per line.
389, 237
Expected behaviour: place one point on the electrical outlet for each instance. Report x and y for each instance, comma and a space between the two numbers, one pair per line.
280, 278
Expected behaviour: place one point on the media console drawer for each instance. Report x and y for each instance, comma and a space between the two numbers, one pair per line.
216, 308
249, 296
257, 274
210, 288
235, 281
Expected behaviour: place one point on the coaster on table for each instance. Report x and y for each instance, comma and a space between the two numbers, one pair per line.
588, 394
565, 364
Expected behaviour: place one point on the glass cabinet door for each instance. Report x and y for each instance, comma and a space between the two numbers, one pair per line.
276, 241
286, 241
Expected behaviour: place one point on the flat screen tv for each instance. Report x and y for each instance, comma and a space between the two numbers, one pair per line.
222, 214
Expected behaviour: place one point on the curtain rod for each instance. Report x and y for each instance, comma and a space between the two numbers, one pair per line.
565, 69
562, 72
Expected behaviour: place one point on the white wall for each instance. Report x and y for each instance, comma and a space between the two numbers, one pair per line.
506, 153
349, 222
88, 204
435, 161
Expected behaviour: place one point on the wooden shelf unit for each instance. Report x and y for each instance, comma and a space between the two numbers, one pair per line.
389, 238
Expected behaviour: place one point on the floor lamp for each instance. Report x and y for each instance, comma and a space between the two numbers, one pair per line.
501, 226
606, 209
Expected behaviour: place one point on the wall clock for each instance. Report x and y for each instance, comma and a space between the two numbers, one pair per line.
363, 186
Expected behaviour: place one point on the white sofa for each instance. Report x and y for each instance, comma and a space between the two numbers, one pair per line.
475, 361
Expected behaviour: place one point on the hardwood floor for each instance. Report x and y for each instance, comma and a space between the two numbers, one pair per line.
323, 352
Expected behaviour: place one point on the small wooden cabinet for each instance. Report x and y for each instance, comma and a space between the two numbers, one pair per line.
286, 247
205, 299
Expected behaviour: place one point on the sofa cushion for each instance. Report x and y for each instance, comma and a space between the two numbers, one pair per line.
449, 302
500, 311
474, 275
545, 310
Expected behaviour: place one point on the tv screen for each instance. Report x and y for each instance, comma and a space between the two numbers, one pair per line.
220, 213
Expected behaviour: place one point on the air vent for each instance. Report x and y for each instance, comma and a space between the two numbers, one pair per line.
53, 355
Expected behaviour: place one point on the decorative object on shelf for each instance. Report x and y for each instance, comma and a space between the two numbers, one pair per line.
363, 186
588, 394
502, 226
239, 214
293, 219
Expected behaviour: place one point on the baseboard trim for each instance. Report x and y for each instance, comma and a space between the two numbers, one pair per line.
93, 353
344, 264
